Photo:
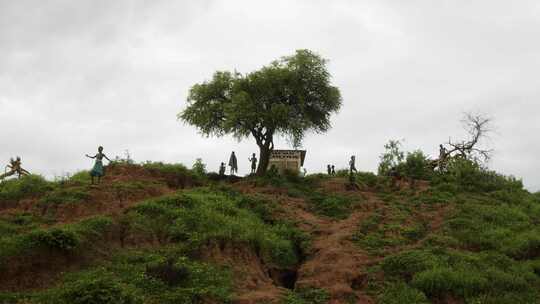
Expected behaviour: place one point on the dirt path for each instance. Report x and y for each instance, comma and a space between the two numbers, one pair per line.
334, 262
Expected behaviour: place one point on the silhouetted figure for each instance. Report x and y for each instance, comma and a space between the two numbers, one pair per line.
442, 157
233, 163
333, 171
14, 168
304, 172
352, 164
222, 169
253, 161
98, 170
329, 169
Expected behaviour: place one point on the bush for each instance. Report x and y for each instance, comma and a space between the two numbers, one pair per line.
367, 178
441, 281
166, 276
391, 158
81, 177
400, 293
96, 287
199, 168
331, 205
307, 296
199, 217
416, 166
407, 264
65, 196
55, 238
469, 176
14, 190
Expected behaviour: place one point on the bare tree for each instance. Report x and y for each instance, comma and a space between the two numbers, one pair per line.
478, 127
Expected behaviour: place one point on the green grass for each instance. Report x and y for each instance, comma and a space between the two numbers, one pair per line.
307, 296
13, 190
331, 205
201, 216
401, 293
137, 276
60, 239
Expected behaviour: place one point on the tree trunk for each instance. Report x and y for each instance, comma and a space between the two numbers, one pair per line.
264, 159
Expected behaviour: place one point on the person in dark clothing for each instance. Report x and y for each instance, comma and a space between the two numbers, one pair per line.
222, 169
233, 163
253, 161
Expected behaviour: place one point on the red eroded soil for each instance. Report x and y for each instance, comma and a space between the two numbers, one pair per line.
334, 263
106, 198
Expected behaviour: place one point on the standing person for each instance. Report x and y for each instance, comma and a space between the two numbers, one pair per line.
333, 172
352, 164
97, 170
329, 169
253, 161
222, 169
442, 157
233, 163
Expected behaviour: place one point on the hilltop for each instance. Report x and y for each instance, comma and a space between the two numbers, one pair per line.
161, 233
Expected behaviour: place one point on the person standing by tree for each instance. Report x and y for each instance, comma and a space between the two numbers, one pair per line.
97, 170
289, 97
253, 161
222, 169
233, 163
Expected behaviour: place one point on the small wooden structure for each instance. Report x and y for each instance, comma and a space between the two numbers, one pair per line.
287, 159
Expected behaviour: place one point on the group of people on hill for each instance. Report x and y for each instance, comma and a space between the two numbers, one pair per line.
98, 170
233, 164
331, 169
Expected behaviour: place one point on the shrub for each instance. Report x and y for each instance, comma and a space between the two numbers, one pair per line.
367, 178
408, 263
168, 272
27, 186
199, 168
307, 296
469, 176
96, 287
440, 281
81, 177
525, 245
416, 166
65, 196
400, 293
201, 216
391, 158
331, 205
55, 238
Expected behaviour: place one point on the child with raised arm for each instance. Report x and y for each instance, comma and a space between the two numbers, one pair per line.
97, 170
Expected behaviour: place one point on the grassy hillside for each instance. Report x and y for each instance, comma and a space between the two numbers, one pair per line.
159, 233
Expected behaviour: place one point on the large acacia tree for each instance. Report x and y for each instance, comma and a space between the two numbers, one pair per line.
289, 97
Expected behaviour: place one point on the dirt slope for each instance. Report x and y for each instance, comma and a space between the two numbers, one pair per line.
334, 263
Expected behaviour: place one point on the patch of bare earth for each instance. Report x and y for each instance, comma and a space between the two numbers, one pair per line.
334, 262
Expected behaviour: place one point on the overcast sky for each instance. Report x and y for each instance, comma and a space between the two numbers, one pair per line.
78, 74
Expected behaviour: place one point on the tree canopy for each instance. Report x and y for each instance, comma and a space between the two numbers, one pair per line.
289, 97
